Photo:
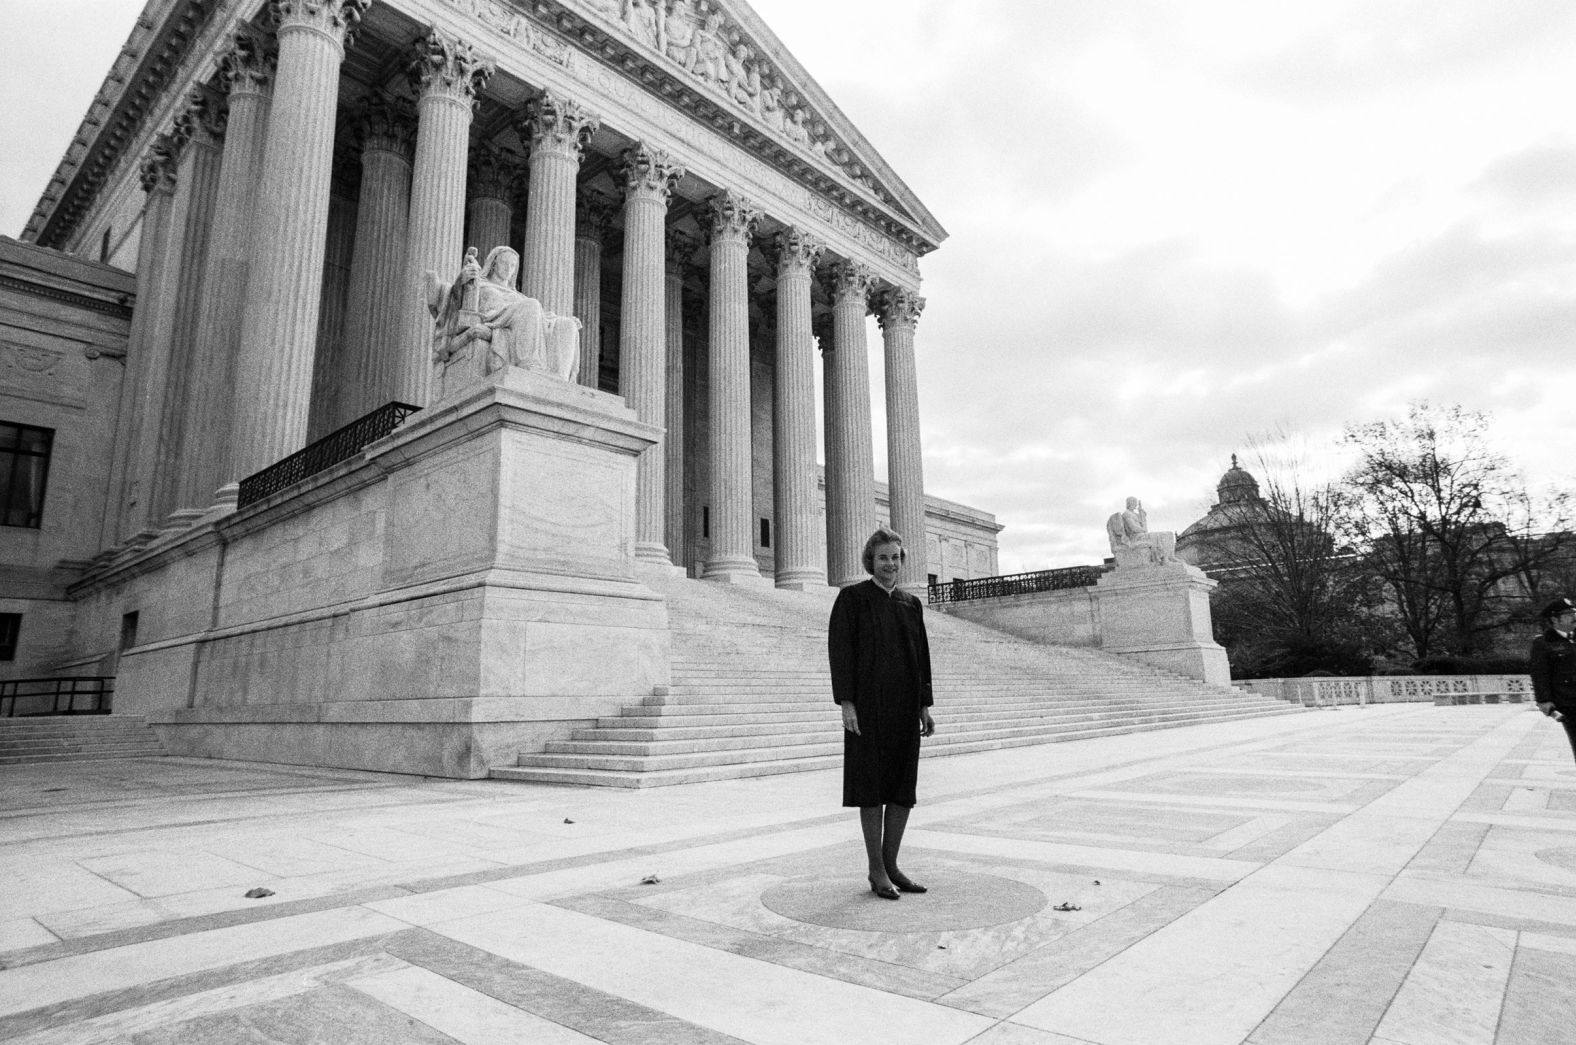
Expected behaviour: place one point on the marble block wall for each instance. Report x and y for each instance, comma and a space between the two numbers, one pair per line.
1158, 614
460, 591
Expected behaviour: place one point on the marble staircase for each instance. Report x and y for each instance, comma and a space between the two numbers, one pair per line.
76, 738
751, 696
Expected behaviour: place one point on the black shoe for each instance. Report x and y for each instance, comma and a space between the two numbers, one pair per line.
886, 892
903, 883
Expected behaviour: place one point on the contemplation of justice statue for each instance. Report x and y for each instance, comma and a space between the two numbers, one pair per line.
482, 323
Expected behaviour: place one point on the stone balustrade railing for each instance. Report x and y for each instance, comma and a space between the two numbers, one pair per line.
1391, 689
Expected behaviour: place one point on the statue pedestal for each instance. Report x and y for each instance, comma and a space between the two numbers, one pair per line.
1159, 613
462, 590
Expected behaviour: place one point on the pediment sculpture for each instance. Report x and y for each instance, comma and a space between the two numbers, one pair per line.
482, 323
1133, 543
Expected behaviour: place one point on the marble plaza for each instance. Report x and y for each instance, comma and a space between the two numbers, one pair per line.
1400, 875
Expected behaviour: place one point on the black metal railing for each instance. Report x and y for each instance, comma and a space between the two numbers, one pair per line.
72, 695
339, 445
1015, 584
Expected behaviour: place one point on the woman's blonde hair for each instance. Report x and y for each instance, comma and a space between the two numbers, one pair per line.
880, 537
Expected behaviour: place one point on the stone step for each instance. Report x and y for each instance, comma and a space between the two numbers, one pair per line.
76, 738
649, 777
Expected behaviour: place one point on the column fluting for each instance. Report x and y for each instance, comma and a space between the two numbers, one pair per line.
733, 221
680, 252
246, 72
850, 465
279, 331
490, 187
447, 72
148, 347
649, 176
201, 126
593, 216
386, 127
897, 310
793, 415
557, 130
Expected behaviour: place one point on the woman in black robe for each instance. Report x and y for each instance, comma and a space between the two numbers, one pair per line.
881, 680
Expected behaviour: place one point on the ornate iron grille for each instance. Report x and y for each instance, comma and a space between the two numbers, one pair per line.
1015, 584
337, 446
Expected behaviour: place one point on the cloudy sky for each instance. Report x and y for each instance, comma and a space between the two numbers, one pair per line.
1176, 225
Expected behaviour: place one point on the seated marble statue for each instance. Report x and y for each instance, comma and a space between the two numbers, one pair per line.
1132, 543
482, 323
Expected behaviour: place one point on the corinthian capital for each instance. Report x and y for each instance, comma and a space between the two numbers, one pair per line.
249, 63
681, 250
649, 172
797, 251
203, 118
732, 216
337, 18
385, 122
158, 166
594, 214
491, 173
898, 307
553, 123
850, 279
448, 66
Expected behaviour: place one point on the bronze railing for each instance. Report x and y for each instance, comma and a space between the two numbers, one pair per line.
72, 695
339, 445
1015, 584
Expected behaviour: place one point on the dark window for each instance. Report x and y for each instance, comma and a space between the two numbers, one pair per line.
766, 533
24, 469
705, 521
128, 630
104, 244
932, 578
10, 630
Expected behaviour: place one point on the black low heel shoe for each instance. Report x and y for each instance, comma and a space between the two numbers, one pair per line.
905, 885
886, 892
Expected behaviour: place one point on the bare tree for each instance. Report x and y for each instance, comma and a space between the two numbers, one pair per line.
1289, 591
1448, 525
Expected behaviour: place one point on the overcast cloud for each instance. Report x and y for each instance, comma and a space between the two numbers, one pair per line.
1175, 225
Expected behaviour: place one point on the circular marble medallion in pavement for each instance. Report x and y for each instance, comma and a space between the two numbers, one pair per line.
957, 900
1564, 857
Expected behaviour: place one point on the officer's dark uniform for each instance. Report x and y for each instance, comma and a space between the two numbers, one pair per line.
1553, 668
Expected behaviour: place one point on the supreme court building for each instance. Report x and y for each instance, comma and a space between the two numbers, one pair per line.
233, 262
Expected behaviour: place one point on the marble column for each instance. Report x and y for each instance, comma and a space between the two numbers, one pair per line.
733, 221
331, 408
680, 251
594, 214
557, 130
148, 346
850, 465
649, 176
447, 73
793, 415
490, 187
279, 332
200, 127
386, 127
897, 310
246, 72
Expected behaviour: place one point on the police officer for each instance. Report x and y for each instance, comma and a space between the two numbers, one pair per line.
1553, 666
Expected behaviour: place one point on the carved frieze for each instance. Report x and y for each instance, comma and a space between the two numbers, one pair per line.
29, 363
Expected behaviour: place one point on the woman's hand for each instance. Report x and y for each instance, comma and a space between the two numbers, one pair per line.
850, 717
927, 725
